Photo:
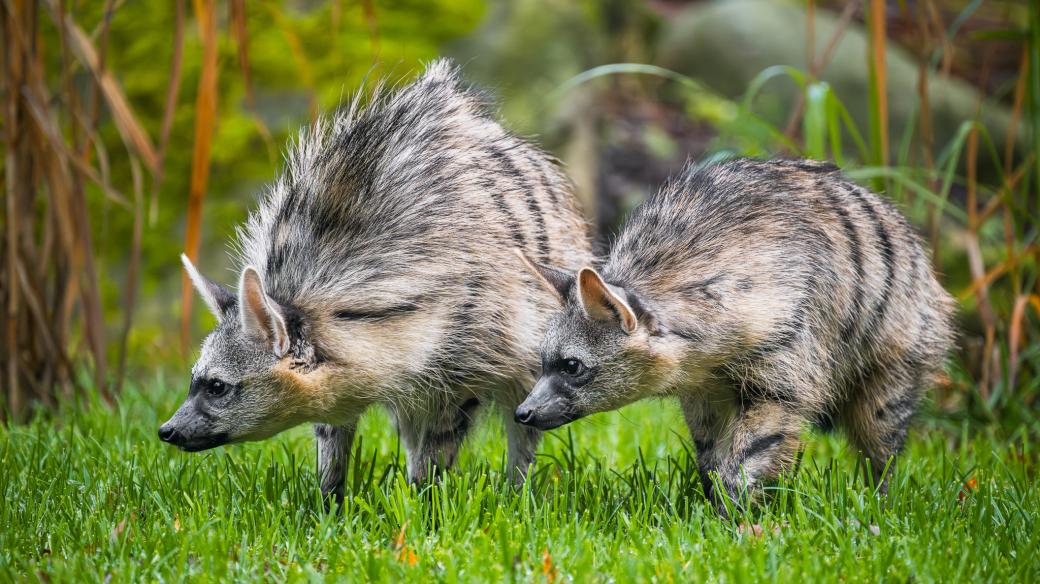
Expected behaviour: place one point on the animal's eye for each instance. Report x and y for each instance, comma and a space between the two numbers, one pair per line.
216, 388
572, 367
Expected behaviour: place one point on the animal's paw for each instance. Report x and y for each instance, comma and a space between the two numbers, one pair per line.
332, 498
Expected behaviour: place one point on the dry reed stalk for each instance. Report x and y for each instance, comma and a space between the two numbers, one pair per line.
299, 57
133, 266
369, 10
1004, 267
170, 106
240, 31
1015, 335
49, 283
879, 77
990, 374
122, 114
1009, 154
818, 63
205, 118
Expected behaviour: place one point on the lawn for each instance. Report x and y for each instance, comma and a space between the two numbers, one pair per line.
91, 494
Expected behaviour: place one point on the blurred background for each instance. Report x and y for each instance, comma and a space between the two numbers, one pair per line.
133, 131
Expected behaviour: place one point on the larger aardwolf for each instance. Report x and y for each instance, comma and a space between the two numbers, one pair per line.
378, 270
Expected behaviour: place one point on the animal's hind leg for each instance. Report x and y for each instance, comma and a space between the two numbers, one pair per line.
877, 418
432, 444
334, 443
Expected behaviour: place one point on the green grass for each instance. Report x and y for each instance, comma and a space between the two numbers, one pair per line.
91, 494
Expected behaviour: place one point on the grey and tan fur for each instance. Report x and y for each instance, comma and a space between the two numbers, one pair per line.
372, 274
765, 296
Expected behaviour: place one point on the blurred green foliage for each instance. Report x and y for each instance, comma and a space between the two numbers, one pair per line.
624, 92
301, 55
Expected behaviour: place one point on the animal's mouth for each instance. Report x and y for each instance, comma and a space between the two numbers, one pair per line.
546, 421
203, 442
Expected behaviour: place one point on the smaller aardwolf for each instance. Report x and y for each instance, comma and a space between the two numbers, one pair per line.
764, 295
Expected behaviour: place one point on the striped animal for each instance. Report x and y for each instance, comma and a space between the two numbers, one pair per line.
378, 270
765, 295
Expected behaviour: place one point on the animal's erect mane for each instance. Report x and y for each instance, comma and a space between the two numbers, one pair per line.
368, 190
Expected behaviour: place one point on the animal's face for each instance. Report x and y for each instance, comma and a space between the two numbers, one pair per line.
242, 387
596, 354
234, 395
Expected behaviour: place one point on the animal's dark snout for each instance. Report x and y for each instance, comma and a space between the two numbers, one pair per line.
169, 434
523, 414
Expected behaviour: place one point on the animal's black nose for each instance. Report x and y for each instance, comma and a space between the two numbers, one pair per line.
168, 434
523, 414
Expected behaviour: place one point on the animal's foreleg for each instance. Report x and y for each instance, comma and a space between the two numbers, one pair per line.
523, 440
334, 444
523, 443
754, 446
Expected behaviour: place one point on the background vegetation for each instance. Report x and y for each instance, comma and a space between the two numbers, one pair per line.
133, 131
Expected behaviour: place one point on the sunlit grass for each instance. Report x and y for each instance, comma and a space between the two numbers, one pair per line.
93, 494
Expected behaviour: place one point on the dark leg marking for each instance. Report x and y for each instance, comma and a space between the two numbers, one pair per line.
760, 445
707, 469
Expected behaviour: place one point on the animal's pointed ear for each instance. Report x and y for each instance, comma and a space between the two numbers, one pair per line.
218, 298
557, 281
261, 315
603, 301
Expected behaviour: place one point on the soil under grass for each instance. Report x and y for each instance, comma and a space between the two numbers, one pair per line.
90, 494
